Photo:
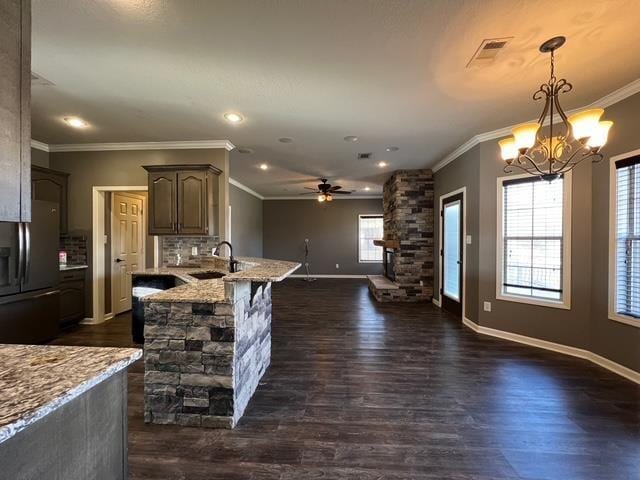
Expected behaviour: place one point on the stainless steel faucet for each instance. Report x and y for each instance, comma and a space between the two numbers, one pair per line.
233, 264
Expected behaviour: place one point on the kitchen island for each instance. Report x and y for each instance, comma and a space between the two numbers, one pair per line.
207, 340
63, 412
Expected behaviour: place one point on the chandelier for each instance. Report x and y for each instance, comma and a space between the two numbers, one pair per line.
548, 154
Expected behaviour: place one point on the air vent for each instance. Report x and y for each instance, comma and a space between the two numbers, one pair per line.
365, 156
488, 51
40, 80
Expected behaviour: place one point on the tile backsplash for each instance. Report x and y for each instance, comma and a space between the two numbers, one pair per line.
177, 250
76, 247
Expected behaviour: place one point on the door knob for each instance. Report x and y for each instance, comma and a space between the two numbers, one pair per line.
118, 260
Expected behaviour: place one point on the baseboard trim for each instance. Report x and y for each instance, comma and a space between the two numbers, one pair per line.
436, 302
92, 321
610, 365
328, 276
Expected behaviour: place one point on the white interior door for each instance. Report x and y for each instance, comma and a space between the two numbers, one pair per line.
127, 247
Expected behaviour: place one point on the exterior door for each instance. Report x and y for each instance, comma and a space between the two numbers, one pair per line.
192, 203
452, 253
126, 247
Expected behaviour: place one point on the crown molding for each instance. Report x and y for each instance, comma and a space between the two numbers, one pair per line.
606, 101
351, 197
104, 147
245, 188
40, 146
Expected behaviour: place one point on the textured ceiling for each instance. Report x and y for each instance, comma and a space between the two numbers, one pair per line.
391, 72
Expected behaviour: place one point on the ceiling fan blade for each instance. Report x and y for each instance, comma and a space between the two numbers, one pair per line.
341, 192
334, 188
308, 193
310, 188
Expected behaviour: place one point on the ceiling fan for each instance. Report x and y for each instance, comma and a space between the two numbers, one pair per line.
325, 191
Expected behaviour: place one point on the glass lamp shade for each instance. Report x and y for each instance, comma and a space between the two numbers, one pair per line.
584, 124
322, 198
329, 198
525, 135
599, 137
508, 148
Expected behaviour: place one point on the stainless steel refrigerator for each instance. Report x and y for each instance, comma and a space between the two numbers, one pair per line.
29, 276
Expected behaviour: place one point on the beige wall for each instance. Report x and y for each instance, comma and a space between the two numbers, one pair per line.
332, 230
40, 158
586, 324
246, 223
124, 168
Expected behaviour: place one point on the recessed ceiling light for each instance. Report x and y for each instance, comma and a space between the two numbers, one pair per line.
245, 150
350, 138
233, 117
366, 189
382, 164
75, 122
264, 166
392, 149
285, 140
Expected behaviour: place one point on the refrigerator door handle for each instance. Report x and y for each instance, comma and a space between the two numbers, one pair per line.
20, 268
27, 242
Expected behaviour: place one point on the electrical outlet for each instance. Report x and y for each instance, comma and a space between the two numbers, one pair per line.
337, 265
487, 306
421, 283
194, 251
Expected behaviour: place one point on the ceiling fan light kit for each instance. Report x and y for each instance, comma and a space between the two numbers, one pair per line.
325, 191
550, 155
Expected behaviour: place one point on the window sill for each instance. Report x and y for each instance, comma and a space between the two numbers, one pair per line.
616, 317
370, 261
565, 305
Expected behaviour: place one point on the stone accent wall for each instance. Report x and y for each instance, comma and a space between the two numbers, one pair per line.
203, 362
76, 247
172, 246
408, 217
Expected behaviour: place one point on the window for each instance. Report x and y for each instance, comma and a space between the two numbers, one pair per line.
534, 240
625, 219
370, 228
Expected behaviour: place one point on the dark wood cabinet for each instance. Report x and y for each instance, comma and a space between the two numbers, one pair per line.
72, 286
15, 110
51, 186
183, 199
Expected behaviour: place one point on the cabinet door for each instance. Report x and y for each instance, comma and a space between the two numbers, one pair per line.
71, 301
11, 104
192, 203
162, 203
51, 186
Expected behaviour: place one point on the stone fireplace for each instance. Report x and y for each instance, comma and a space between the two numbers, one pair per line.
408, 234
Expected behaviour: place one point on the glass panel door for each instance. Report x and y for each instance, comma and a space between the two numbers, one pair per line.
452, 254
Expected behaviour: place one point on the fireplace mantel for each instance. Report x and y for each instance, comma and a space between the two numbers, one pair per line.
393, 244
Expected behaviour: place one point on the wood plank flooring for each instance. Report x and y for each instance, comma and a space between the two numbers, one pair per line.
360, 390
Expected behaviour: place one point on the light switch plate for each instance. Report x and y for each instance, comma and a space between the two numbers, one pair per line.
337, 265
468, 239
487, 306
194, 251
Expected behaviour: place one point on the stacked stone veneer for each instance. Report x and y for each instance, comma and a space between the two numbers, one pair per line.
174, 246
203, 362
75, 245
408, 217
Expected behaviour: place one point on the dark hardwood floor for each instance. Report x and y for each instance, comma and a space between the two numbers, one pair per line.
361, 390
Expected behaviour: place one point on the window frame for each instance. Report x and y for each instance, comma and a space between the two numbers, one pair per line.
565, 302
613, 214
378, 215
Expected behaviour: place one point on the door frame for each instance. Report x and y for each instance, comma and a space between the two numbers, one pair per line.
458, 191
143, 237
98, 248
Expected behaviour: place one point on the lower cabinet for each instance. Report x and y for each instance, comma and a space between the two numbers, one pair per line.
72, 284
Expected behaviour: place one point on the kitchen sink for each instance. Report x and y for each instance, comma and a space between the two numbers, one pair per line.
207, 275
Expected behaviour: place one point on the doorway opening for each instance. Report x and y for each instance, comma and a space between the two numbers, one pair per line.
120, 245
452, 251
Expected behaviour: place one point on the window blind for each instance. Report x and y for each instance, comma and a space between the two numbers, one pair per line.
370, 228
628, 237
533, 237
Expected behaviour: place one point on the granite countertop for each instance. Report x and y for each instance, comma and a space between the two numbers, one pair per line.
64, 268
35, 380
213, 291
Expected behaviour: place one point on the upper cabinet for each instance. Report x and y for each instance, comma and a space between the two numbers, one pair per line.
15, 110
51, 186
183, 199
